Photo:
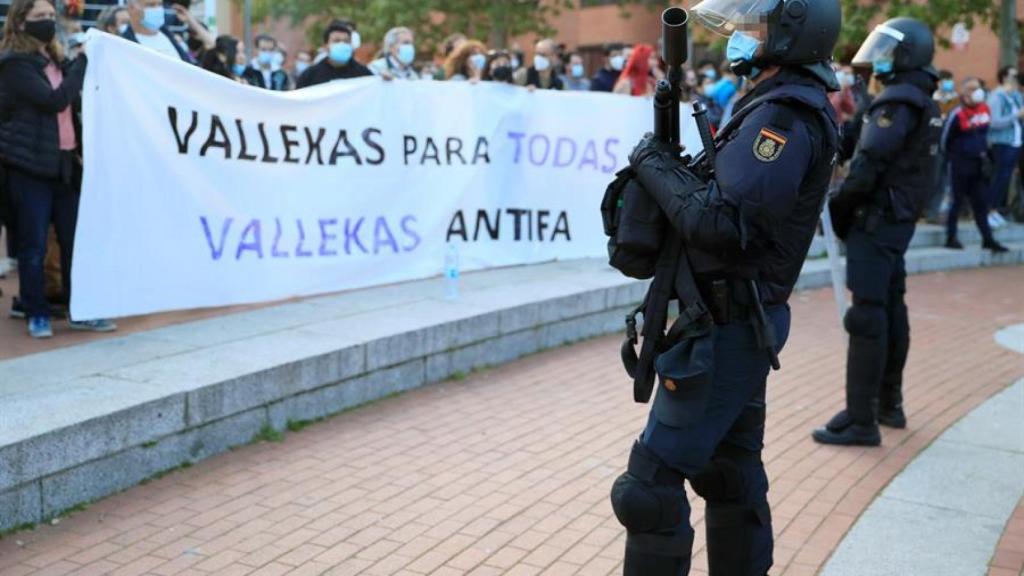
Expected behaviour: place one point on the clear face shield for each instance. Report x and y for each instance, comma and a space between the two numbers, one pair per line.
725, 17
879, 48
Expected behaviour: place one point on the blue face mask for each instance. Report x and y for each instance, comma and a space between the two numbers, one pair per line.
266, 58
153, 18
882, 67
406, 54
340, 52
741, 47
577, 70
948, 85
238, 69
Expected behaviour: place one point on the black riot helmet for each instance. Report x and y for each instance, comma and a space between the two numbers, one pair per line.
899, 45
789, 32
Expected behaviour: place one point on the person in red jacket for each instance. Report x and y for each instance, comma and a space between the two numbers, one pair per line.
965, 140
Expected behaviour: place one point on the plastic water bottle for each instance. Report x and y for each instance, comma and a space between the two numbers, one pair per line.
451, 272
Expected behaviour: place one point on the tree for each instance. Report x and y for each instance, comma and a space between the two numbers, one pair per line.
859, 14
494, 21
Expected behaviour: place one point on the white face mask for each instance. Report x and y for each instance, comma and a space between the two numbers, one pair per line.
541, 63
978, 96
356, 41
617, 62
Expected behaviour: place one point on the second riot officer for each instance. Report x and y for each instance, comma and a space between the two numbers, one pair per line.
893, 173
746, 234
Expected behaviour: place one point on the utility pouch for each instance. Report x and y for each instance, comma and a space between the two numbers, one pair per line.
685, 374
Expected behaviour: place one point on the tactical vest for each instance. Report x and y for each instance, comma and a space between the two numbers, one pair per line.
774, 268
913, 175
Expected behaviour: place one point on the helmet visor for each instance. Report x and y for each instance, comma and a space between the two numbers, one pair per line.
880, 45
725, 17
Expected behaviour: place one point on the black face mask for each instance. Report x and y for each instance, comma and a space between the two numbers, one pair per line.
502, 73
42, 30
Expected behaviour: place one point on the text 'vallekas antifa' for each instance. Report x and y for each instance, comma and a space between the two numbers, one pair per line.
726, 232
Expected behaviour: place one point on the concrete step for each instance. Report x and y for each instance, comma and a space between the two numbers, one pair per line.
934, 236
83, 422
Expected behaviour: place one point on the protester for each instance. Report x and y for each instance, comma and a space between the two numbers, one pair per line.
113, 20
965, 142
946, 96
227, 58
614, 62
263, 73
303, 60
542, 74
638, 78
39, 149
575, 78
707, 69
467, 62
148, 26
399, 55
1005, 139
339, 63
843, 101
498, 67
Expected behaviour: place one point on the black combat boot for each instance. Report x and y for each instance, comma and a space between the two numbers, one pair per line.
841, 430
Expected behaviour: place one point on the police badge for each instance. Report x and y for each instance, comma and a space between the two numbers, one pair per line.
768, 146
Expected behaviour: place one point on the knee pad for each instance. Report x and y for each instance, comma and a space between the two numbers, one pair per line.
865, 320
650, 501
646, 507
720, 481
649, 497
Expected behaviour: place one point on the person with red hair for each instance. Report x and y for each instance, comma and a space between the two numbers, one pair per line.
641, 73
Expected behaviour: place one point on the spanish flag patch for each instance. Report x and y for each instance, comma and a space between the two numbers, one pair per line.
768, 145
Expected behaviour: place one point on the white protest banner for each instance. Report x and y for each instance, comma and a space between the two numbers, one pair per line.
199, 191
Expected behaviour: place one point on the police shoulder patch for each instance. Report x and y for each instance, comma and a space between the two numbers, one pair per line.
768, 145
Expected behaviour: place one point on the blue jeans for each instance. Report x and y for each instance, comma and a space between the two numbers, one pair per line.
1004, 163
40, 202
736, 399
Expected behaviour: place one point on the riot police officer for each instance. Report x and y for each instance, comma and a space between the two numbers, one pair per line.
746, 235
893, 173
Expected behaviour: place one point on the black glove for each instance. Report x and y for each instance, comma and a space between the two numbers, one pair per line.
842, 217
654, 153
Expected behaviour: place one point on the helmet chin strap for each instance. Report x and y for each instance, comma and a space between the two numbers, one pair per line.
747, 68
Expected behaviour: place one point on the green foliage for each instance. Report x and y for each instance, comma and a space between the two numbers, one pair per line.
492, 22
268, 434
858, 15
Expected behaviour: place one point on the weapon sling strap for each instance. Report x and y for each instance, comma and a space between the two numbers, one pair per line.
674, 276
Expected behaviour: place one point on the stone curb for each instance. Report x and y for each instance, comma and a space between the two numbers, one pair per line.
85, 422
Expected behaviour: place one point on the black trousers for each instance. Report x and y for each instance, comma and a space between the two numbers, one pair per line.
40, 202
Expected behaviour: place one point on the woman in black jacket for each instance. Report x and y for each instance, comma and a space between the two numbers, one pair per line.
38, 146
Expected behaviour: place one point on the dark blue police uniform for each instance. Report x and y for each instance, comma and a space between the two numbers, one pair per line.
773, 169
893, 174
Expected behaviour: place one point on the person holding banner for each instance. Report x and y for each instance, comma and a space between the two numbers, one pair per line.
340, 62
149, 27
39, 149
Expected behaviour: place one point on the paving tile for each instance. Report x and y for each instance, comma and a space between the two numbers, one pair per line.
507, 471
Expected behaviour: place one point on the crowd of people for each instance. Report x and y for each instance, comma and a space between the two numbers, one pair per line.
982, 139
42, 69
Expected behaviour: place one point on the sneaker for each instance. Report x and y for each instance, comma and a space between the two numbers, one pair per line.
995, 247
92, 325
954, 244
17, 311
39, 327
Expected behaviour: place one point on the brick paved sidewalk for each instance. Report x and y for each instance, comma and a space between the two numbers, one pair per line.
508, 471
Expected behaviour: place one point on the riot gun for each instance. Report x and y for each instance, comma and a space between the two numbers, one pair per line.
643, 228
643, 244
